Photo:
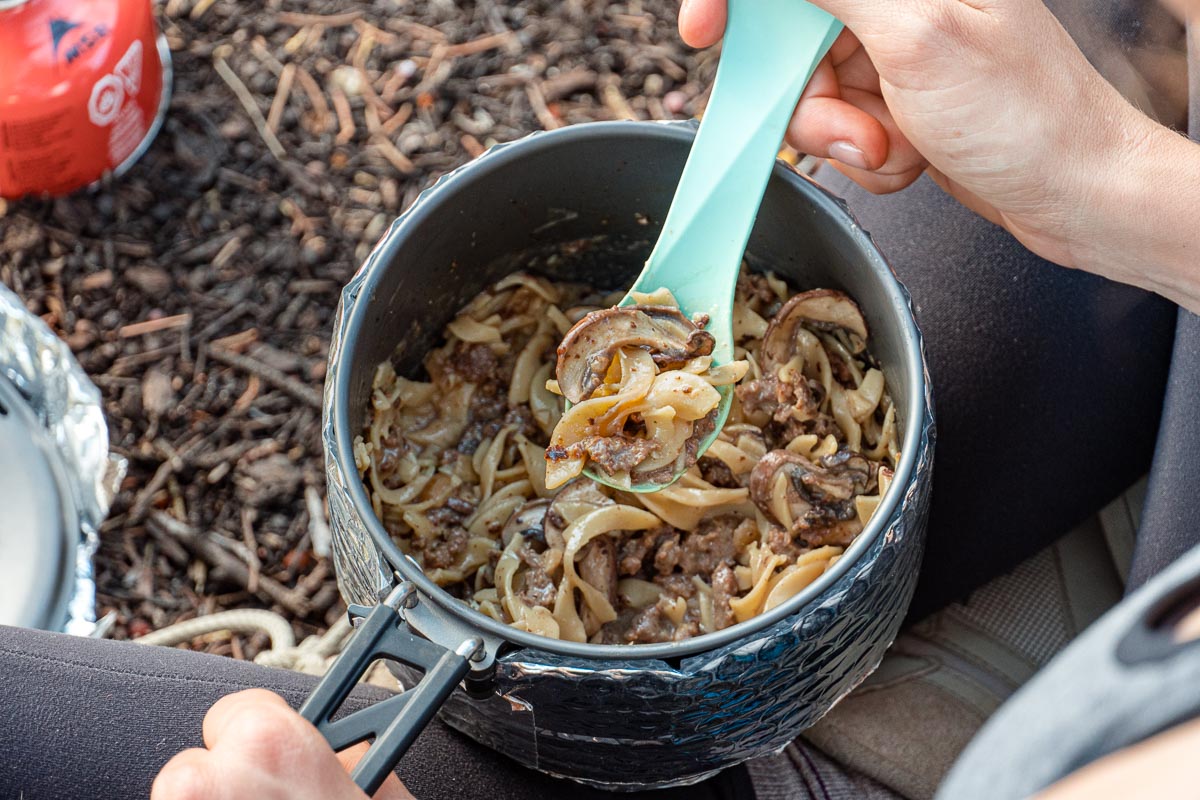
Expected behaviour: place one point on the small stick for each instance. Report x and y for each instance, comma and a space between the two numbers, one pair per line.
318, 528
247, 398
472, 145
237, 342
616, 102
259, 45
141, 503
480, 45
154, 326
392, 153
397, 120
331, 20
163, 525
200, 8
248, 102
380, 35
97, 280
282, 89
315, 98
537, 101
415, 29
269, 374
346, 126
251, 550
372, 97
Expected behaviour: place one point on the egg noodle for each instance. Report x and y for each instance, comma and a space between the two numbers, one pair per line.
639, 422
456, 464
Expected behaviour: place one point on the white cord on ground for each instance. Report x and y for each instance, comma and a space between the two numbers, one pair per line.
312, 656
243, 620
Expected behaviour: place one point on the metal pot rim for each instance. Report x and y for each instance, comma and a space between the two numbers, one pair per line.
498, 157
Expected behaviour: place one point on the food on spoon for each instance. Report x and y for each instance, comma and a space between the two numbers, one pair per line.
643, 387
455, 464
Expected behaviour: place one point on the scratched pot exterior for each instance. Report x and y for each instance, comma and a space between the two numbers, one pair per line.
585, 203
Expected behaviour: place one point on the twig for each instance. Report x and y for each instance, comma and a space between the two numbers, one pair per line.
154, 326
163, 525
414, 29
330, 20
615, 101
537, 102
394, 122
200, 8
316, 98
248, 102
318, 529
480, 45
393, 155
346, 127
282, 89
268, 374
255, 564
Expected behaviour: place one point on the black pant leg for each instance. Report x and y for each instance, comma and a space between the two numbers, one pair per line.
81, 718
1171, 516
1048, 384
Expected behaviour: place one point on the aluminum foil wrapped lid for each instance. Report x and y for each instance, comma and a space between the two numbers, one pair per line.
67, 404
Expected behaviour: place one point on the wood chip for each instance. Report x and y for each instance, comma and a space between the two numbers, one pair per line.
283, 88
480, 45
154, 325
328, 20
346, 127
392, 153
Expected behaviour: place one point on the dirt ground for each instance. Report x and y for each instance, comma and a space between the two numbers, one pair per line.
198, 290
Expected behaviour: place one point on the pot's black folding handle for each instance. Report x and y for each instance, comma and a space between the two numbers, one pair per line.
393, 723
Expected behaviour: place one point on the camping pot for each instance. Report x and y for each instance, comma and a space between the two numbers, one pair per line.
57, 478
84, 86
586, 203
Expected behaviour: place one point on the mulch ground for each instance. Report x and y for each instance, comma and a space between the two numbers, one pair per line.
198, 290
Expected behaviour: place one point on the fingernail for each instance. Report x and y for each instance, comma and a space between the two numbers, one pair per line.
849, 155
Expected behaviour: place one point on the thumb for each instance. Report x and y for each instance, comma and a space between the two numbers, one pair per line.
392, 788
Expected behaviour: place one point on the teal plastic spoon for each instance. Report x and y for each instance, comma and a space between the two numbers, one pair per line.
771, 49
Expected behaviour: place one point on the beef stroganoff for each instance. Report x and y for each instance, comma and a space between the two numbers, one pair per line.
457, 470
644, 392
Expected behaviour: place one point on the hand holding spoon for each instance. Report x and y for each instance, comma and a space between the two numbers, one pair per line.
770, 51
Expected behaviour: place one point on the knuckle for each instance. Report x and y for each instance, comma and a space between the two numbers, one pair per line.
185, 777
272, 736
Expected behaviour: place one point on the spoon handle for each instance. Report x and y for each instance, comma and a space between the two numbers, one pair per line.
770, 51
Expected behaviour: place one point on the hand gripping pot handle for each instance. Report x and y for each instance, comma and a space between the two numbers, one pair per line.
394, 723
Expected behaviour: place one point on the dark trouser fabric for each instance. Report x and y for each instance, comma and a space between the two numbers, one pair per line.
1048, 385
81, 718
1171, 517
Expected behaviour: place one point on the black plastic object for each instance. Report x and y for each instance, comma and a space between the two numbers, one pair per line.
36, 537
394, 723
586, 203
1124, 679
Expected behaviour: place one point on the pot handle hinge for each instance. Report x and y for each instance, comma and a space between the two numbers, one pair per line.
393, 723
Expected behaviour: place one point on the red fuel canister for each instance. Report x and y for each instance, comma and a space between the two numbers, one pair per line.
84, 85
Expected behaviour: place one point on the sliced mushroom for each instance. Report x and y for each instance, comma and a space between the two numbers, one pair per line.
588, 350
820, 310
807, 498
575, 500
598, 567
529, 521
